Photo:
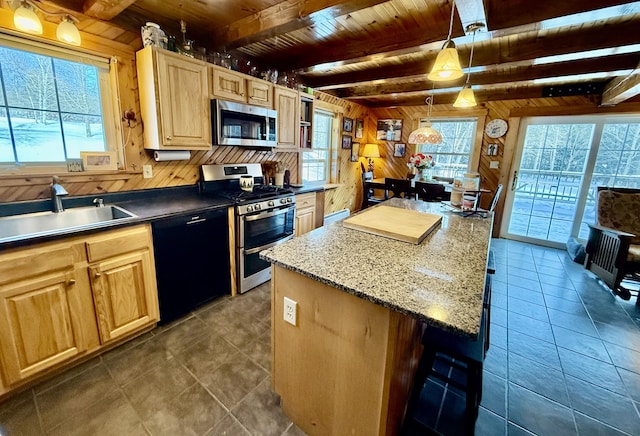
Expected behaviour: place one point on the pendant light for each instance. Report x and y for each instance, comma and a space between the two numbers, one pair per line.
447, 65
466, 97
26, 20
426, 134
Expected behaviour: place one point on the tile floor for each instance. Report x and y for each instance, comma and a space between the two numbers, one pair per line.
564, 359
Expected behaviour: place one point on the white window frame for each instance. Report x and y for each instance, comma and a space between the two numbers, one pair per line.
109, 93
479, 115
331, 150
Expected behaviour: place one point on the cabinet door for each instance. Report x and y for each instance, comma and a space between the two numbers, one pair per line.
40, 324
305, 220
185, 120
228, 85
125, 294
287, 104
260, 93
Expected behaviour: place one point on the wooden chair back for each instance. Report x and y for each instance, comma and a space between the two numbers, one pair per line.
398, 187
430, 191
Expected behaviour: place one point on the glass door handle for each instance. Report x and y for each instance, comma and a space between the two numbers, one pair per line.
515, 181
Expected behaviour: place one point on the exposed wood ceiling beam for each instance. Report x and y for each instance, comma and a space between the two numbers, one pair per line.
288, 16
105, 9
411, 40
529, 47
501, 74
622, 88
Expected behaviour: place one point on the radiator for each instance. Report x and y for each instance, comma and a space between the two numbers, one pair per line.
336, 216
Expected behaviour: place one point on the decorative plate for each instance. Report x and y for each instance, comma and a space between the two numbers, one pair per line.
496, 128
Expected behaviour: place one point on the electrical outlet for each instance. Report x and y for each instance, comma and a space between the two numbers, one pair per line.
290, 311
494, 164
147, 171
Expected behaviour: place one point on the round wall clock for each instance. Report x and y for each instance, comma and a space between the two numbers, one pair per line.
496, 128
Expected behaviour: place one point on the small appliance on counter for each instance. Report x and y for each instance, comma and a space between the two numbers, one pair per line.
264, 216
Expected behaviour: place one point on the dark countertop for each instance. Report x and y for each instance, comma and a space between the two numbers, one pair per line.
148, 205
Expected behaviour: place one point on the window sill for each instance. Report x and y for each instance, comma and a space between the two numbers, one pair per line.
38, 177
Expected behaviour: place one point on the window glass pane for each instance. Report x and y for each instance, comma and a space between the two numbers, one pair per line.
51, 108
37, 136
315, 162
452, 156
6, 149
78, 87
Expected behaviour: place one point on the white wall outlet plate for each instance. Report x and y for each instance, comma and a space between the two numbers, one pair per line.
147, 171
290, 311
494, 164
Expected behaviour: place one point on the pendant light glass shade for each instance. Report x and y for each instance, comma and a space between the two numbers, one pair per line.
426, 134
26, 20
447, 65
465, 97
68, 32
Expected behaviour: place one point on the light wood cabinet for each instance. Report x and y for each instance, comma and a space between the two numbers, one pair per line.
65, 300
305, 213
46, 316
287, 103
231, 85
123, 282
174, 100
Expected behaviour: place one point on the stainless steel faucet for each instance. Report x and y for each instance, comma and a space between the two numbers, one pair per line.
57, 192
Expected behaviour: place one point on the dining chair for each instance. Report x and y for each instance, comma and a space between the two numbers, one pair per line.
398, 187
368, 196
432, 192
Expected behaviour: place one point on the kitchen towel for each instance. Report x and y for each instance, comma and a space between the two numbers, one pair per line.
164, 155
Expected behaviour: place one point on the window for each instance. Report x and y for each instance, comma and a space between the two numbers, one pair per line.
52, 104
453, 155
316, 162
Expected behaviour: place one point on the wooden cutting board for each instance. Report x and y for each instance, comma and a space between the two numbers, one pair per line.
396, 223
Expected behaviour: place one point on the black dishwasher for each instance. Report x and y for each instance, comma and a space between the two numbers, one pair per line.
192, 261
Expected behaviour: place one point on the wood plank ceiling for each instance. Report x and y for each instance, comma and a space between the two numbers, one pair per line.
378, 52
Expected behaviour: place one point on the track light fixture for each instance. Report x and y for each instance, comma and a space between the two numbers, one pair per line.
26, 20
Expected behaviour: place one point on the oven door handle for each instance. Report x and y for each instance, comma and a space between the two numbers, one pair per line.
267, 214
264, 247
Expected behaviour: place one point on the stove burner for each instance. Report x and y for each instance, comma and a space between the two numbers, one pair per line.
259, 192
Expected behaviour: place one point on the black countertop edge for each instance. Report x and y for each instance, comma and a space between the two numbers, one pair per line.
148, 206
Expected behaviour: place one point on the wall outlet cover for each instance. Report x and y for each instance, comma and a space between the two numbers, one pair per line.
147, 171
290, 311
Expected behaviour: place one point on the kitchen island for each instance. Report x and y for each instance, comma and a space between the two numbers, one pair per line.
347, 365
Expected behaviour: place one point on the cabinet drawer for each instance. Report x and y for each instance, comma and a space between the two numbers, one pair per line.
117, 242
33, 262
306, 200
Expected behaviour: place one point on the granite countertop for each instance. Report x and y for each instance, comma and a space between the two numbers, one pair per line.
441, 280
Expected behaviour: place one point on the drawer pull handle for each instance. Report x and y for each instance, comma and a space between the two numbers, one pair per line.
71, 282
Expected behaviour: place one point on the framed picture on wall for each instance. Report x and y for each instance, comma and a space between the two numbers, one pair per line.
355, 151
346, 142
347, 124
389, 130
99, 160
359, 134
398, 149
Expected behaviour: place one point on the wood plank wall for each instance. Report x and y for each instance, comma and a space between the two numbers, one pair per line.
108, 40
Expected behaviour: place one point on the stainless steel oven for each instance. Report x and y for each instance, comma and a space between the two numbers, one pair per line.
264, 217
259, 226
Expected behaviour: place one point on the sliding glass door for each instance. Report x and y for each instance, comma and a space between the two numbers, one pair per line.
559, 163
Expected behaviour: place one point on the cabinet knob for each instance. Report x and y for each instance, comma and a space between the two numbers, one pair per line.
169, 138
97, 274
71, 282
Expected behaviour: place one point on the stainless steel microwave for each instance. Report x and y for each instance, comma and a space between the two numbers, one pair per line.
242, 124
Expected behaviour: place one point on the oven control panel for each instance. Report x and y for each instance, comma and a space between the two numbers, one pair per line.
266, 205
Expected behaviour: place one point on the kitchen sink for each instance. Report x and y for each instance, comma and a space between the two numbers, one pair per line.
17, 227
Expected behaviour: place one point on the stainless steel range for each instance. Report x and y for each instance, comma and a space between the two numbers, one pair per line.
264, 217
